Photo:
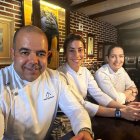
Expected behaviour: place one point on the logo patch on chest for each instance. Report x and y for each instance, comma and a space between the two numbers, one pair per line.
48, 95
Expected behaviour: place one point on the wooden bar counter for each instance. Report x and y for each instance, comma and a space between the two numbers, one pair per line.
106, 128
115, 129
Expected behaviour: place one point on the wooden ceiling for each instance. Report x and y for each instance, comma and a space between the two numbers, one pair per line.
124, 14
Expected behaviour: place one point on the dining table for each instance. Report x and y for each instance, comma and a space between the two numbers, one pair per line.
106, 128
111, 128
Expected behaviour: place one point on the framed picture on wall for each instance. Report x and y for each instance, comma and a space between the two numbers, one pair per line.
50, 15
6, 35
107, 45
90, 45
100, 53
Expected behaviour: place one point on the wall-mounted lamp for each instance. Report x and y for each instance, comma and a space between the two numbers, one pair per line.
61, 50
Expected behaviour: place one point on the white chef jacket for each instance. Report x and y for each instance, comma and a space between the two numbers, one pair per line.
81, 82
114, 83
27, 108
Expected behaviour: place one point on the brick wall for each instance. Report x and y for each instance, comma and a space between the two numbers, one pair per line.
62, 34
104, 32
12, 9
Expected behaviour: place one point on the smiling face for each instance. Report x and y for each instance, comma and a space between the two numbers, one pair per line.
116, 58
75, 54
30, 55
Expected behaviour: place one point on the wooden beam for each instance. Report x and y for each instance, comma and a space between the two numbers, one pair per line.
116, 10
123, 31
67, 22
62, 3
129, 34
22, 12
85, 4
128, 23
36, 13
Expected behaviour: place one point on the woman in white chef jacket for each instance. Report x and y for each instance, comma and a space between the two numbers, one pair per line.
113, 79
81, 80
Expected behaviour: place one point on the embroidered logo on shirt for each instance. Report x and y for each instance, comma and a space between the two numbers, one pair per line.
48, 96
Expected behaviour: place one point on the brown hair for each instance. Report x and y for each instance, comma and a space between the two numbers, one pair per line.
112, 47
70, 38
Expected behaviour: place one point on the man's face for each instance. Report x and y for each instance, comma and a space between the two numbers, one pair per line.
30, 55
75, 54
116, 59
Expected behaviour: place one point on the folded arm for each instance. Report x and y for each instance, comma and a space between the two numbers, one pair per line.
129, 112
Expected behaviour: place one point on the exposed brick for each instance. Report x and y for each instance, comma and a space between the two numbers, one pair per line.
12, 11
6, 14
1, 8
18, 24
18, 20
17, 7
9, 8
18, 16
18, 2
6, 4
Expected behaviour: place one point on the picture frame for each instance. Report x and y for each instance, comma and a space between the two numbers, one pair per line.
100, 53
107, 45
90, 45
6, 36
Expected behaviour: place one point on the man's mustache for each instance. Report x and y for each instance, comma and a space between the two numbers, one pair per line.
36, 67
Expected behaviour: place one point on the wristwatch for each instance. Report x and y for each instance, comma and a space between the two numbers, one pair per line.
87, 130
117, 113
